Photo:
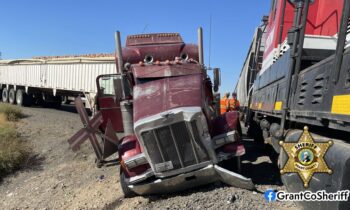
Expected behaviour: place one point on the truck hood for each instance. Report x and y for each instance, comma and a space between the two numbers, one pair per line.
163, 94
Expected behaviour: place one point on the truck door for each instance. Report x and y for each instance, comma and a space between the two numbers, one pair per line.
108, 100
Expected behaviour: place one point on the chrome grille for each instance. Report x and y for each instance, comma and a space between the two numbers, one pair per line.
174, 146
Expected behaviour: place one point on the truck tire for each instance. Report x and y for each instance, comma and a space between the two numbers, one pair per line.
12, 96
23, 99
28, 100
126, 190
52, 102
20, 97
57, 103
5, 95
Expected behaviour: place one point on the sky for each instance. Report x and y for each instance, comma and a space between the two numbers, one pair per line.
69, 27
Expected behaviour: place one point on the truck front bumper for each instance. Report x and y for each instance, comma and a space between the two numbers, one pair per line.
207, 175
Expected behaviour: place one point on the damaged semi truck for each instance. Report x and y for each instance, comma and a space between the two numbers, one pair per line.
160, 114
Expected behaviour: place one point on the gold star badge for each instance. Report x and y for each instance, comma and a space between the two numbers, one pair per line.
306, 157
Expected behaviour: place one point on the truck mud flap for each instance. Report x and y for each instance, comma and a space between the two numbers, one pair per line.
234, 179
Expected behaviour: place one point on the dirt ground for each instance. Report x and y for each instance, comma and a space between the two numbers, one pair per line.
57, 178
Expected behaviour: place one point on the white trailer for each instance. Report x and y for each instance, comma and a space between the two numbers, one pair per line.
50, 81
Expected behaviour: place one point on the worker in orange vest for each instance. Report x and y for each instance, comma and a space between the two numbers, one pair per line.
233, 103
224, 104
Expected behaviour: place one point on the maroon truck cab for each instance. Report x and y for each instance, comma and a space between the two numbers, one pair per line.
162, 102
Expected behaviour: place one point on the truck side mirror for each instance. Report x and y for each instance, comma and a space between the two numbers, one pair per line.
217, 79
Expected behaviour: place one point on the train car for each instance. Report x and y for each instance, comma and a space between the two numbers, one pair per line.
303, 82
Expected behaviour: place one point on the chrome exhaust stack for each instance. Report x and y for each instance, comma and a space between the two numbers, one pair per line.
200, 46
118, 48
125, 104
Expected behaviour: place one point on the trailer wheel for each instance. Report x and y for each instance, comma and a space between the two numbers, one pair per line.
5, 95
20, 97
12, 96
126, 190
28, 100
23, 99
57, 102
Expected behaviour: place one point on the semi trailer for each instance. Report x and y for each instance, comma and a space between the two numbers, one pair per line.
53, 79
297, 82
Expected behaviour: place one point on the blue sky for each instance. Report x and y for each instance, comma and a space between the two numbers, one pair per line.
61, 27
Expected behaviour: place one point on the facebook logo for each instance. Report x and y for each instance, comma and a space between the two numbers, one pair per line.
270, 195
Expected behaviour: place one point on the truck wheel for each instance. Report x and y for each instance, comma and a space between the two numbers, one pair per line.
5, 95
12, 96
20, 97
23, 99
126, 190
58, 102
28, 100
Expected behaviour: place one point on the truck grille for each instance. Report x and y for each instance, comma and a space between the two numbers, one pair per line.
175, 146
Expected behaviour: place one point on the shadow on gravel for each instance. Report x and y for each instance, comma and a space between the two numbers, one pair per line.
71, 108
23, 116
256, 165
262, 173
114, 205
34, 162
68, 108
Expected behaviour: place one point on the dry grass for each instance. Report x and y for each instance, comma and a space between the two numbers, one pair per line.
13, 151
13, 113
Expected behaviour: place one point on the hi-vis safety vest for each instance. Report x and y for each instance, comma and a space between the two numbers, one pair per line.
224, 105
233, 105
